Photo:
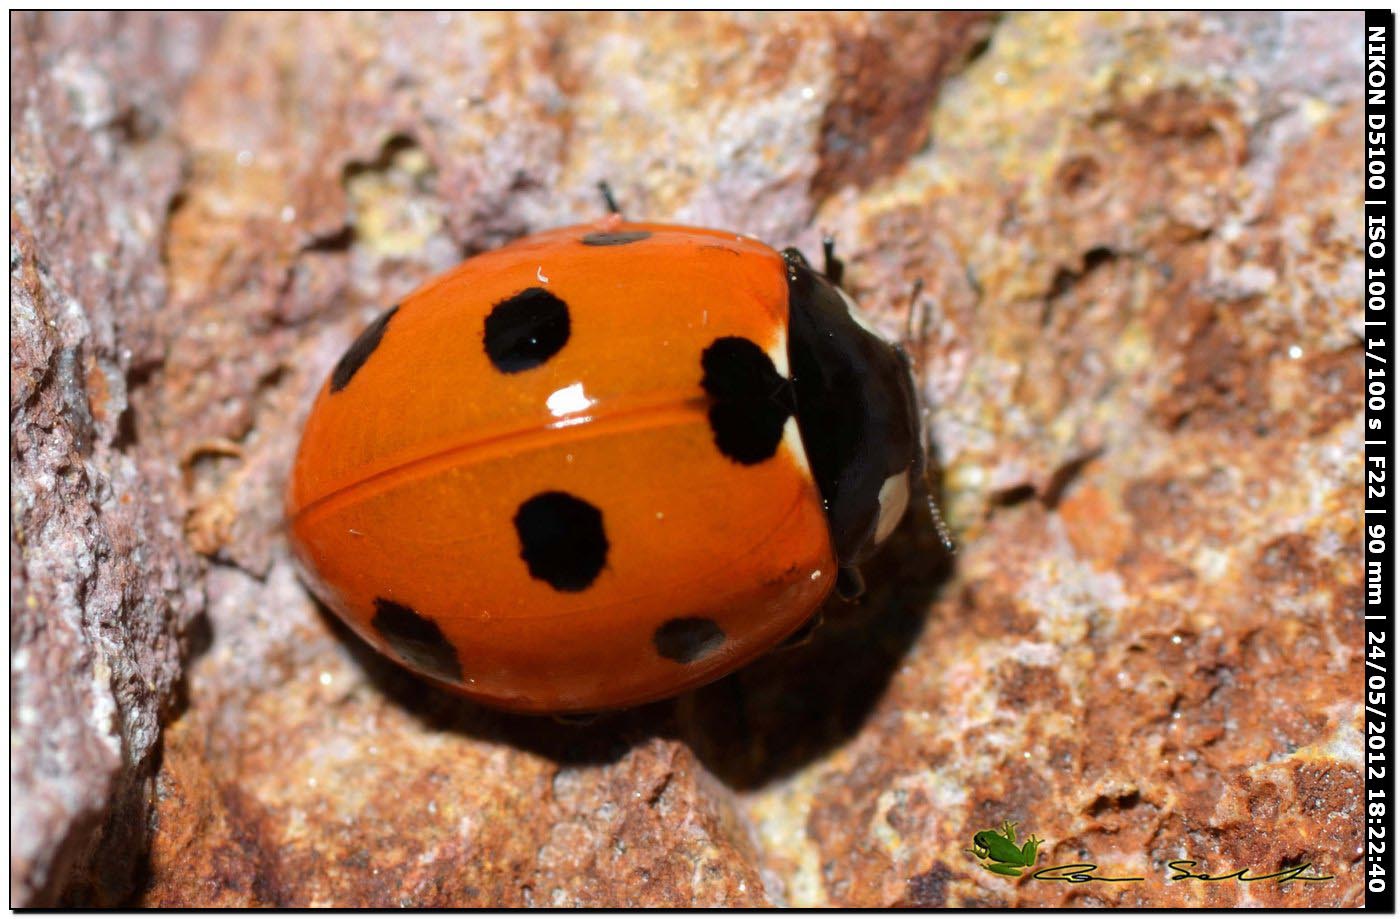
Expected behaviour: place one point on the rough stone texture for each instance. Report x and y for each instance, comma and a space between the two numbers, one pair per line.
1139, 238
102, 586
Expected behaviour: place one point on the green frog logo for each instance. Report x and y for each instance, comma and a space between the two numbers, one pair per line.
998, 853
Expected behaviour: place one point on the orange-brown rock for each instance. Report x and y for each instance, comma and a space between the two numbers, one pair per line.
1140, 244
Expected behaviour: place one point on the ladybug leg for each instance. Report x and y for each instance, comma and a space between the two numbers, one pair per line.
850, 585
834, 268
609, 201
804, 633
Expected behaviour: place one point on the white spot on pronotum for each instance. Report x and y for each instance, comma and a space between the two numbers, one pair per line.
1295, 352
539, 273
894, 499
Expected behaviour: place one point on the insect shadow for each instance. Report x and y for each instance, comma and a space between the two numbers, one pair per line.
795, 705
766, 720
593, 740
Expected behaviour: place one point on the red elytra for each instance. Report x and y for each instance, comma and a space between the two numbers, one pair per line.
602, 465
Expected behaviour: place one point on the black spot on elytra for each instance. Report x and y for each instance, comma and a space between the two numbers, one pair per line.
562, 540
355, 356
750, 401
525, 330
417, 640
615, 239
687, 640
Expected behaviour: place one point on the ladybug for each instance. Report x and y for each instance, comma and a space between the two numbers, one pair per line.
603, 464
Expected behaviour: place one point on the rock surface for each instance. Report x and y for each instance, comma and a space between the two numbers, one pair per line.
102, 584
1142, 268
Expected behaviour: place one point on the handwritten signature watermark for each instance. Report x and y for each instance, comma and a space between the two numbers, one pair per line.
998, 852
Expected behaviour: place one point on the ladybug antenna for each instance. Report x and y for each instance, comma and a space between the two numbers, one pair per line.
609, 201
832, 267
945, 535
928, 477
915, 344
916, 341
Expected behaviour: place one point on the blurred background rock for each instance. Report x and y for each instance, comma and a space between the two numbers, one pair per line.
1140, 241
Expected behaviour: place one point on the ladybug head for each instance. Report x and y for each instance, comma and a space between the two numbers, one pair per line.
857, 412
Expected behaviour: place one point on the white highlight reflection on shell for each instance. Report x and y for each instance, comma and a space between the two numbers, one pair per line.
567, 401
